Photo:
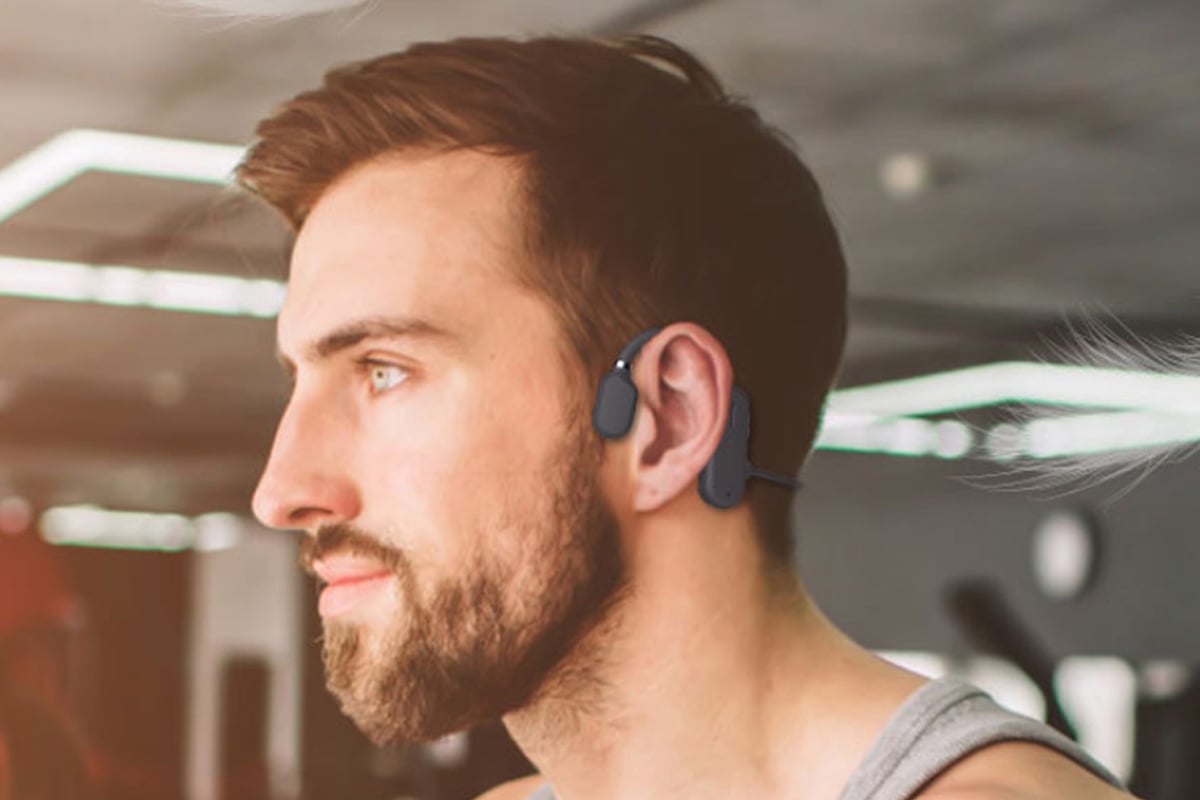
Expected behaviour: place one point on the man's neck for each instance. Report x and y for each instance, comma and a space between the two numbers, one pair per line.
709, 680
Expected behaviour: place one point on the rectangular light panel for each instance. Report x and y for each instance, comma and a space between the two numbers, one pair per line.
71, 153
1023, 382
202, 293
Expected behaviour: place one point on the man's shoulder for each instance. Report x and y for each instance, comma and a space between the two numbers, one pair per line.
1005, 771
518, 789
1019, 771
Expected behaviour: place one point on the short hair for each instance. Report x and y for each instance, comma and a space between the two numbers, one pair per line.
651, 196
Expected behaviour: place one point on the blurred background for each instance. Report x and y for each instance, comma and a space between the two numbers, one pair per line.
998, 169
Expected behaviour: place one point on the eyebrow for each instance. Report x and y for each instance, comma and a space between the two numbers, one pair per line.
391, 328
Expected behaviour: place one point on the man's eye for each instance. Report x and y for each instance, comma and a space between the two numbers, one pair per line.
384, 376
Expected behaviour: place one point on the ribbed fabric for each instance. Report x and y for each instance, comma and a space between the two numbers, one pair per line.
940, 724
544, 792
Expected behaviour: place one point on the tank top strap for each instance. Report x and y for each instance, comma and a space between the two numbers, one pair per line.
940, 724
543, 792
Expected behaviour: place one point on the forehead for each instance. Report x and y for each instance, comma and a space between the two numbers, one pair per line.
435, 236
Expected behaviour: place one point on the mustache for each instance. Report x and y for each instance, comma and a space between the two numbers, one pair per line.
346, 538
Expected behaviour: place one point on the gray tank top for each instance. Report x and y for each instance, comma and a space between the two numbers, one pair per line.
940, 724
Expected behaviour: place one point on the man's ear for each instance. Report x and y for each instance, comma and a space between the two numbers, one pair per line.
684, 381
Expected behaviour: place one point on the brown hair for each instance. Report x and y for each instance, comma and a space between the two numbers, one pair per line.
653, 197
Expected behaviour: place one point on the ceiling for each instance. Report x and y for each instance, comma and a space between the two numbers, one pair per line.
1061, 143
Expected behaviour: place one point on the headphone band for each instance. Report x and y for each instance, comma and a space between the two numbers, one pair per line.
722, 481
630, 351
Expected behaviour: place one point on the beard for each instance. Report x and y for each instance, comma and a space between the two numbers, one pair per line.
486, 640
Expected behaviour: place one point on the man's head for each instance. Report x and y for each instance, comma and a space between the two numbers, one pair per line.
483, 224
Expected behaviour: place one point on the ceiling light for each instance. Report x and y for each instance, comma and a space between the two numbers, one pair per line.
71, 153
1004, 442
1021, 382
1088, 434
217, 531
92, 526
265, 8
1150, 410
1065, 555
906, 175
902, 436
203, 293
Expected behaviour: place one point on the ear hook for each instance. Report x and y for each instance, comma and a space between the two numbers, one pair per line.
625, 359
616, 399
722, 482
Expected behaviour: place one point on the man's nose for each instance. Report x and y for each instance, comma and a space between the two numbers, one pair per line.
306, 482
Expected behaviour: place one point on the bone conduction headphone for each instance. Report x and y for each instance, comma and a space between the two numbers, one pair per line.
722, 482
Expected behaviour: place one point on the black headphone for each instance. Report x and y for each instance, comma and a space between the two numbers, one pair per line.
722, 482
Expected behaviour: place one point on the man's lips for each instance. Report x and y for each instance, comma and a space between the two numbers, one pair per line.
349, 581
342, 568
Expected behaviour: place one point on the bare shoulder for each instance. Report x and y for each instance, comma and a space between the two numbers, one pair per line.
519, 789
1019, 771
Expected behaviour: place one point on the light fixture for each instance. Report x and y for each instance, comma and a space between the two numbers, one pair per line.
1143, 410
1065, 557
1087, 434
69, 154
898, 436
1022, 382
906, 175
92, 526
265, 9
204, 293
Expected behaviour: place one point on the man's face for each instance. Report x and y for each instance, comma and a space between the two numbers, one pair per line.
449, 481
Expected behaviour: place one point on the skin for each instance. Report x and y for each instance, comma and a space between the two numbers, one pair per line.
714, 677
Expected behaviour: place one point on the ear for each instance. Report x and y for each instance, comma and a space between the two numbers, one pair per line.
684, 381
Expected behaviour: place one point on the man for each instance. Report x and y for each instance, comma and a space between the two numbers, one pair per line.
483, 225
